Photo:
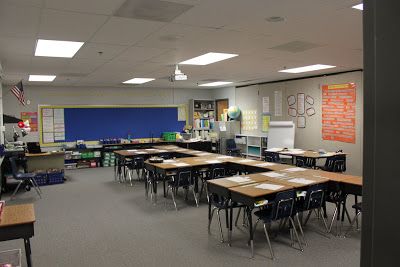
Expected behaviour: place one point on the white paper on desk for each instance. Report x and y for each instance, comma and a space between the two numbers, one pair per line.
274, 149
272, 187
265, 164
162, 150
224, 157
239, 179
301, 181
273, 174
169, 161
141, 152
132, 150
214, 161
150, 149
295, 169
295, 152
180, 164
246, 160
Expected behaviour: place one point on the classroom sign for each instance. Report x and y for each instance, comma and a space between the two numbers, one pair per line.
32, 117
339, 112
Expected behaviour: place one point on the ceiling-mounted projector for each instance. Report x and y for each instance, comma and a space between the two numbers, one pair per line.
178, 75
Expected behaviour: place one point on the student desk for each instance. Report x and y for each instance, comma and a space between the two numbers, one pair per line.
45, 161
17, 223
248, 195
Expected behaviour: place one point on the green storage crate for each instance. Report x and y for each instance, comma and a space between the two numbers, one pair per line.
169, 136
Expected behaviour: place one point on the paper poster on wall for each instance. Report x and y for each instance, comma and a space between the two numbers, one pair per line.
278, 103
301, 122
48, 124
59, 115
291, 100
249, 120
301, 103
292, 112
32, 117
265, 104
222, 126
339, 112
182, 113
47, 112
310, 100
48, 137
265, 122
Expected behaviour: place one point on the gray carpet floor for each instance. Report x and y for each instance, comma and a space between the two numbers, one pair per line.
93, 221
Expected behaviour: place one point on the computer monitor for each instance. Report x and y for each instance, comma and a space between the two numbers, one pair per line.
34, 147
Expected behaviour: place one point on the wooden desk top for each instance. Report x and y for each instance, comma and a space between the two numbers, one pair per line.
44, 154
229, 182
252, 190
354, 180
306, 153
17, 214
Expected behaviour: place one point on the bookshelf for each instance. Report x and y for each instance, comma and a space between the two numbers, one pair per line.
251, 145
202, 116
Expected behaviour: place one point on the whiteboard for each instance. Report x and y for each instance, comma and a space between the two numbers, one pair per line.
281, 134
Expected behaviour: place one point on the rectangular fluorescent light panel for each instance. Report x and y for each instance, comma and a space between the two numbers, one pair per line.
138, 80
359, 6
308, 68
215, 84
53, 48
208, 58
41, 78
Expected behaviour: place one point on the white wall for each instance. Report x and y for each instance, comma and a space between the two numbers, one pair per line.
250, 98
226, 92
95, 96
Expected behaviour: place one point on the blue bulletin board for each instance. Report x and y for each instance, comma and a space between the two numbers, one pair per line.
92, 123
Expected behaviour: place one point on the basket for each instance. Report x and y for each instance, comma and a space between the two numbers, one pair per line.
41, 178
169, 136
55, 176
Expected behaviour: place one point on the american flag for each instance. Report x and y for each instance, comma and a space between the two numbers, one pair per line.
18, 91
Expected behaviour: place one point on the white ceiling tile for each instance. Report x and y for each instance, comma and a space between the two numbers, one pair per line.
10, 46
91, 51
137, 54
16, 64
68, 26
106, 7
123, 31
16, 21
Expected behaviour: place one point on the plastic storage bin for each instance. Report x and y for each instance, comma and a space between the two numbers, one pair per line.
55, 176
41, 178
169, 136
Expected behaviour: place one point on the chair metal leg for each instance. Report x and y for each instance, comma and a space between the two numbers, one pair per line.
295, 233
16, 190
195, 197
37, 185
269, 242
210, 219
324, 220
34, 186
301, 229
220, 226
352, 223
130, 177
333, 219
307, 218
237, 216
255, 225
173, 199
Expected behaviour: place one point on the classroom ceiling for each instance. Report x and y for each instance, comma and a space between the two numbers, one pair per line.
146, 38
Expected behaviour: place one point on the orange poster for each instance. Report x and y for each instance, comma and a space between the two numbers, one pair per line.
339, 112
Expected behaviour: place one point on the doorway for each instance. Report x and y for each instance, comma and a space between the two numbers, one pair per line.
221, 105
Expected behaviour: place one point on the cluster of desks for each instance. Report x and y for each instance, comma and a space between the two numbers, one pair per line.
259, 181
